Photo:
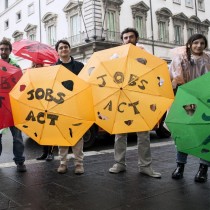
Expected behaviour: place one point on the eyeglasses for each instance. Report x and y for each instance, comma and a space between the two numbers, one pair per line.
4, 49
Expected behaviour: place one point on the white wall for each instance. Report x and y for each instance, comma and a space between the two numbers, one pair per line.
56, 6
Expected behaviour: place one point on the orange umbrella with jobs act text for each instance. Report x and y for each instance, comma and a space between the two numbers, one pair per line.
52, 106
131, 88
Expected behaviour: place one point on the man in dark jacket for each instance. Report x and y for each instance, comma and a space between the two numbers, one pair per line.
64, 51
18, 146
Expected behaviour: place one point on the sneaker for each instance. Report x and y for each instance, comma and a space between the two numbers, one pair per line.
42, 157
117, 168
62, 169
50, 157
21, 168
149, 172
79, 169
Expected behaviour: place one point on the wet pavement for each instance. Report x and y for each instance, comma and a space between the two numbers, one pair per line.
41, 187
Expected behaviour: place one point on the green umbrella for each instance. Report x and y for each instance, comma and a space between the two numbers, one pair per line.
189, 118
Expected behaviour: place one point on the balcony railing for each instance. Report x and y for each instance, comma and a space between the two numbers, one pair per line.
94, 35
114, 37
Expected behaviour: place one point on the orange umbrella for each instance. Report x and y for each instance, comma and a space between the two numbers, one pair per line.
131, 88
52, 106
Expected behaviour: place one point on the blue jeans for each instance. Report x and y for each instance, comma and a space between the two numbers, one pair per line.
181, 157
18, 146
0, 145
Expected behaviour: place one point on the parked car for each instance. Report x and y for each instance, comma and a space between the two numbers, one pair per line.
93, 133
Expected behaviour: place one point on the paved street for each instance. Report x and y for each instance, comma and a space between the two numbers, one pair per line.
42, 188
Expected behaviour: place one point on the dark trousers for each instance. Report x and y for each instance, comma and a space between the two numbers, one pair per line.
18, 146
47, 149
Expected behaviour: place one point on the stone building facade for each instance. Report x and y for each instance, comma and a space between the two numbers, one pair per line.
92, 25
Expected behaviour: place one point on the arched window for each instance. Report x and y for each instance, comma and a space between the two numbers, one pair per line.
139, 12
178, 21
31, 31
17, 35
163, 19
50, 22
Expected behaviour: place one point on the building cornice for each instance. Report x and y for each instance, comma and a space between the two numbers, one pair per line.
206, 22
139, 7
49, 16
29, 27
72, 5
194, 19
10, 7
165, 12
17, 33
180, 16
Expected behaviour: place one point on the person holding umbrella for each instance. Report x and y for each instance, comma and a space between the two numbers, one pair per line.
64, 51
131, 35
185, 67
47, 153
18, 146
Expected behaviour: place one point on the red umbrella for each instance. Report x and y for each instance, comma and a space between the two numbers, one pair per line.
9, 76
35, 51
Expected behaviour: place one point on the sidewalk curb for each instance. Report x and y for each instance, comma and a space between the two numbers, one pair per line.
86, 154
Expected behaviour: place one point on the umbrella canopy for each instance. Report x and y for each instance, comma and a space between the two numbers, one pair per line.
131, 88
189, 118
35, 51
52, 105
9, 76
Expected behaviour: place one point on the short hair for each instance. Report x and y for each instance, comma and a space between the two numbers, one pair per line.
61, 41
5, 41
127, 30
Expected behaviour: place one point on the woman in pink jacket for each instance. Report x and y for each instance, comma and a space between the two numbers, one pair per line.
187, 65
